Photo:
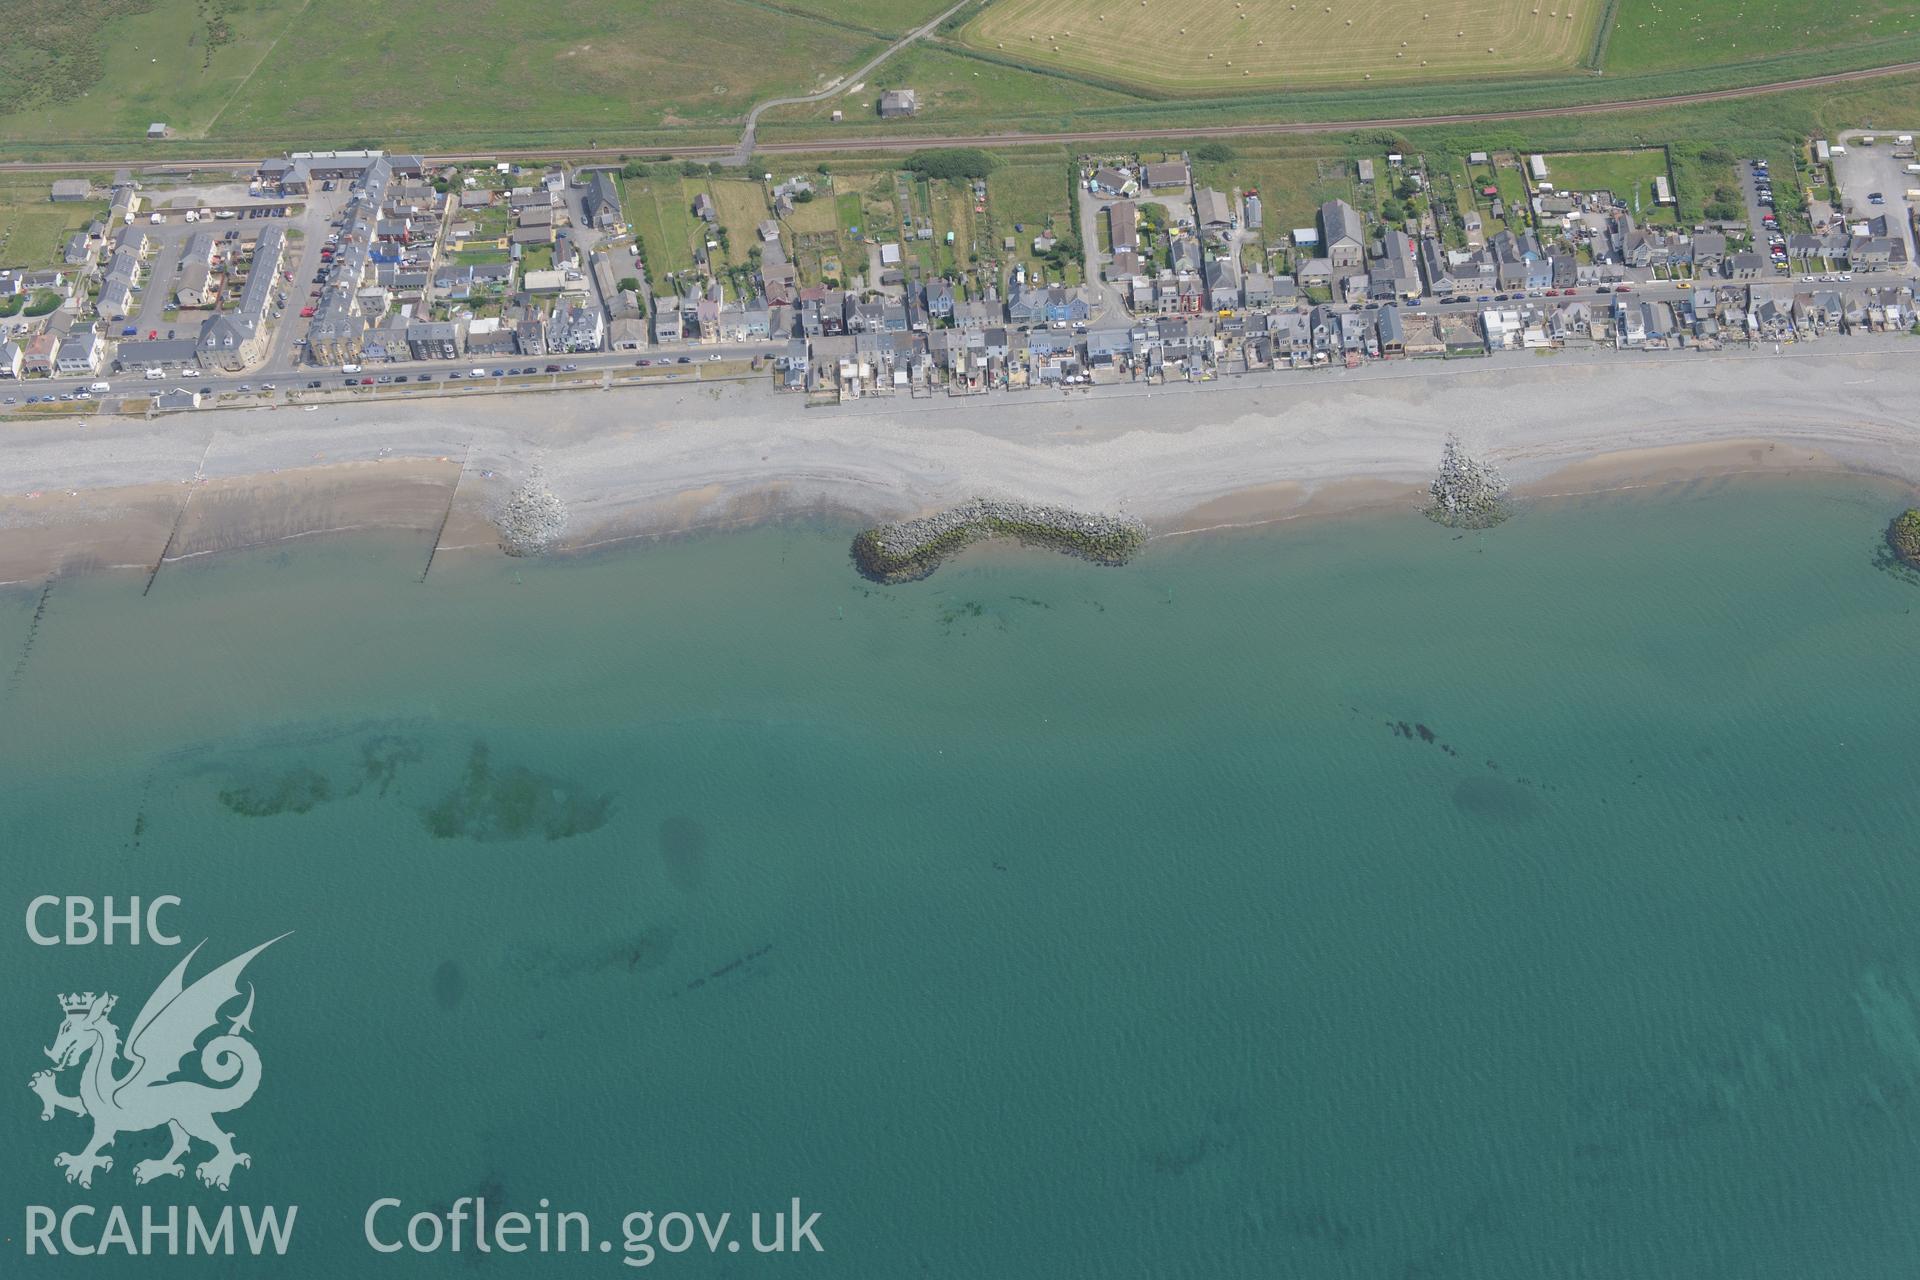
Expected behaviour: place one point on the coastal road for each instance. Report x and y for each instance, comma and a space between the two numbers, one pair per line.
909, 142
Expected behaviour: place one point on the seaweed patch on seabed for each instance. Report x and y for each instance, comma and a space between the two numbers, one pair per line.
296, 791
381, 758
643, 952
1485, 797
1884, 559
512, 803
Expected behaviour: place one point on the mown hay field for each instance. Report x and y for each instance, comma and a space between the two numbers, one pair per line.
1254, 44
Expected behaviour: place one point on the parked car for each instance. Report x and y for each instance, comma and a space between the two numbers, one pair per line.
553, 368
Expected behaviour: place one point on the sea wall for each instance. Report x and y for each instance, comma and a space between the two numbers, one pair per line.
907, 550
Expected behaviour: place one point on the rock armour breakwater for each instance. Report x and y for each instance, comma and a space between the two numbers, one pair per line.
532, 517
1903, 536
907, 550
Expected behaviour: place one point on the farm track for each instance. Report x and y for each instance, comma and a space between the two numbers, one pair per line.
910, 142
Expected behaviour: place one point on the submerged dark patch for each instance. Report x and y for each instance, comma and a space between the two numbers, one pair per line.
1495, 798
683, 847
296, 791
512, 803
449, 984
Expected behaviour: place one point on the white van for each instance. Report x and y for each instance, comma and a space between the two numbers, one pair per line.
349, 368
476, 373
98, 387
153, 374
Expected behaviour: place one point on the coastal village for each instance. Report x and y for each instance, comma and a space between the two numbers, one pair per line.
353, 271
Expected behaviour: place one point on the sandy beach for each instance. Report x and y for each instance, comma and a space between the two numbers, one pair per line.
639, 462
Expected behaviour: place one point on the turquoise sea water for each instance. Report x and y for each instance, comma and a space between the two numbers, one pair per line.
1350, 899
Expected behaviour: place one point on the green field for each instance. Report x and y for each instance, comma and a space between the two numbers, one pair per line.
1664, 35
34, 230
660, 208
1223, 45
954, 85
891, 17
488, 72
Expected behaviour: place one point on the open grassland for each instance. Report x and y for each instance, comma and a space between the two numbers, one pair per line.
34, 230
1662, 35
955, 86
1227, 45
294, 73
890, 17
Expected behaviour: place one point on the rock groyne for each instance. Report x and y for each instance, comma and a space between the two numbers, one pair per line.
1903, 537
1468, 493
907, 550
531, 517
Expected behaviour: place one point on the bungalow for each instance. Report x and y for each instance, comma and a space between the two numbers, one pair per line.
177, 398
12, 359
1123, 223
895, 103
1172, 173
704, 208
1213, 213
1112, 182
1391, 332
